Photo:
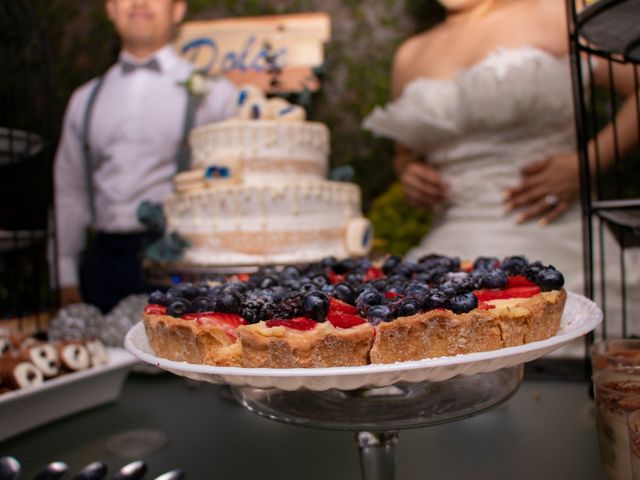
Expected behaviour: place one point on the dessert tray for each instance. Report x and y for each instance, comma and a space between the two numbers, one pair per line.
23, 409
580, 316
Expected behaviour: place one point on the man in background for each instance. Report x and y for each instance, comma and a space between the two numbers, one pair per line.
122, 141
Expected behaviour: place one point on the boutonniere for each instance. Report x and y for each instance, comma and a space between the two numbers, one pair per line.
196, 85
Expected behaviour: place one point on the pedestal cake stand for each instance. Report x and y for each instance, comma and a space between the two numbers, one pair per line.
376, 401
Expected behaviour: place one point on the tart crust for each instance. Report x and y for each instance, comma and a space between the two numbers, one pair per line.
440, 333
187, 341
324, 346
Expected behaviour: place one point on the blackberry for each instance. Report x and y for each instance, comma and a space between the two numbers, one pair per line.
290, 306
254, 310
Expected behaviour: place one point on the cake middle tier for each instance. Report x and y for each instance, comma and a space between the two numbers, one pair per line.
258, 150
278, 223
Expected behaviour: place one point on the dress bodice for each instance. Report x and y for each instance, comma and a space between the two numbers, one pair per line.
482, 126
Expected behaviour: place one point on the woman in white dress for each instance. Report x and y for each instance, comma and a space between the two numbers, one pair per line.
482, 116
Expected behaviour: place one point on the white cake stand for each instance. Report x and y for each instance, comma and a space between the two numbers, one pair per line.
376, 401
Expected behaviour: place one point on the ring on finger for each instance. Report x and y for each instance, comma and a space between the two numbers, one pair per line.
551, 199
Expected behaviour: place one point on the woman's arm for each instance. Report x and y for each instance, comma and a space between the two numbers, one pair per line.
423, 185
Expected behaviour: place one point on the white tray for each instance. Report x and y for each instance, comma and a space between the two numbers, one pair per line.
580, 316
23, 409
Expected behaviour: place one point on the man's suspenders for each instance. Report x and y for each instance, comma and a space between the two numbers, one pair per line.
182, 155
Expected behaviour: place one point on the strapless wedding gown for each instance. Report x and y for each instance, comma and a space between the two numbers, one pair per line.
479, 129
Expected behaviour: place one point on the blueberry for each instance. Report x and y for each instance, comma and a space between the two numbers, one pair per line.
315, 305
408, 307
448, 264
328, 289
185, 290
378, 314
379, 284
354, 278
319, 280
549, 279
229, 301
364, 263
404, 270
344, 292
464, 302
485, 263
435, 299
514, 265
178, 307
494, 278
418, 291
202, 304
368, 298
292, 284
157, 298
269, 281
307, 287
449, 289
203, 290
394, 289
344, 266
291, 272
328, 262
390, 263
532, 270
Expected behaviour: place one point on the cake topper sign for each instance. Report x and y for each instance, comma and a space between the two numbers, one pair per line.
276, 53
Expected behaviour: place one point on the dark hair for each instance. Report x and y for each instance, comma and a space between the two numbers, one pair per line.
425, 13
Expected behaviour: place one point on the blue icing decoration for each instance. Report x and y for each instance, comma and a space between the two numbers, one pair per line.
366, 238
213, 171
286, 110
210, 172
255, 111
242, 97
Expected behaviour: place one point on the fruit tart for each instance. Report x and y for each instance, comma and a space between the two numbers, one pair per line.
350, 312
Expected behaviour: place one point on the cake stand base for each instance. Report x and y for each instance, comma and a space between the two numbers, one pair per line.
376, 414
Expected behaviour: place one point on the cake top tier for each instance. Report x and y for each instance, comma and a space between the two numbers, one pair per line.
269, 138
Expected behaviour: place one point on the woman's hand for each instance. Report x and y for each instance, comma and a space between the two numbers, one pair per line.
423, 186
547, 190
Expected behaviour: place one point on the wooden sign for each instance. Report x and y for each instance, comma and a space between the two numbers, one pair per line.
276, 53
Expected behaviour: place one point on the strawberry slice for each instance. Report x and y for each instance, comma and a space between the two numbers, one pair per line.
336, 305
391, 295
298, 323
516, 292
334, 277
226, 321
519, 281
485, 306
373, 274
344, 320
155, 309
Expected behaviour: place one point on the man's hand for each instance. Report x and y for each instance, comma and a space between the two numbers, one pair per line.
547, 190
423, 186
69, 296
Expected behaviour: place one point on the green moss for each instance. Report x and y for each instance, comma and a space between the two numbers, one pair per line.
396, 225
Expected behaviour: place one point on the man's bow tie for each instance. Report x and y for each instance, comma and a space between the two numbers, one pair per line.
128, 67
